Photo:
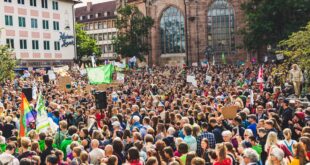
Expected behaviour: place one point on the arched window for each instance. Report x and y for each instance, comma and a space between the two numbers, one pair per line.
221, 31
172, 31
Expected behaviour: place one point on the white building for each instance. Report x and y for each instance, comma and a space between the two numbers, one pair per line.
40, 32
99, 22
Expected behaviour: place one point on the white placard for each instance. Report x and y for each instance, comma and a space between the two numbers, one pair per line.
51, 75
208, 78
120, 77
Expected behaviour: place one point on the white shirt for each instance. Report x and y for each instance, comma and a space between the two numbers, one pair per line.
8, 158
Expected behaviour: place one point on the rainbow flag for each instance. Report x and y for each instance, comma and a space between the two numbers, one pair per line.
25, 116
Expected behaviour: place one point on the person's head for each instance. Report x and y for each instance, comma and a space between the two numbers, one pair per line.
118, 146
276, 155
151, 161
187, 130
198, 161
34, 146
84, 156
42, 136
227, 135
76, 152
94, 143
171, 131
183, 148
149, 138
112, 160
269, 124
28, 161
48, 142
272, 139
168, 152
72, 130
108, 150
299, 152
51, 160
63, 125
25, 142
204, 143
259, 109
306, 143
10, 148
59, 154
252, 118
247, 133
250, 156
261, 132
190, 156
221, 151
287, 133
212, 155
133, 154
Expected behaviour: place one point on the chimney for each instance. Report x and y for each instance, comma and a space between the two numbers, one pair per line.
89, 5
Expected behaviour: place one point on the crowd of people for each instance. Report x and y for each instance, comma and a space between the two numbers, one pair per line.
157, 118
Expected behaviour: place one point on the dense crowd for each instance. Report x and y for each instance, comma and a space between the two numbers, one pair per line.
157, 118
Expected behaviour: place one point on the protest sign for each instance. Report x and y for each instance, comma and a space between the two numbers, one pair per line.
51, 75
192, 80
208, 78
100, 75
230, 112
120, 77
64, 82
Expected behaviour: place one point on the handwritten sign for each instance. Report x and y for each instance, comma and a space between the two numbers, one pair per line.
66, 39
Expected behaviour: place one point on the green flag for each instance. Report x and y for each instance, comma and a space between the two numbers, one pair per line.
100, 75
223, 58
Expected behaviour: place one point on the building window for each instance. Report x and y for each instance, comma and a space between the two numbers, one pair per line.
34, 23
21, 2
46, 45
23, 44
33, 2
22, 21
9, 20
99, 25
35, 44
10, 43
44, 4
56, 45
100, 38
45, 24
8, 1
220, 27
55, 5
172, 31
56, 25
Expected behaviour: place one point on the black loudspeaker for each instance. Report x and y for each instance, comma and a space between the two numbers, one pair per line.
28, 93
46, 79
101, 100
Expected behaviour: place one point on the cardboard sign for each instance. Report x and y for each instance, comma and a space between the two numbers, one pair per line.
230, 112
63, 82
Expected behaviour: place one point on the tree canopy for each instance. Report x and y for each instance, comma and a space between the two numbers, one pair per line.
7, 64
86, 46
133, 29
270, 21
296, 50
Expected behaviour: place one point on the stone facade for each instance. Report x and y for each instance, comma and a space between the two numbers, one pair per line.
155, 9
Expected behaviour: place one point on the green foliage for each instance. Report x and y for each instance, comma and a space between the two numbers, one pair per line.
270, 21
296, 50
86, 45
7, 64
133, 29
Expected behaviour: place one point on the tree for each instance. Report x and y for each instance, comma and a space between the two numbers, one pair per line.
86, 46
133, 29
270, 21
296, 50
7, 65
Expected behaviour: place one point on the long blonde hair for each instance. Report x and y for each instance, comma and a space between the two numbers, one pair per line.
272, 139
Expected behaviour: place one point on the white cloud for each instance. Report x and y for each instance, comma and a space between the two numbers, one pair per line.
93, 1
